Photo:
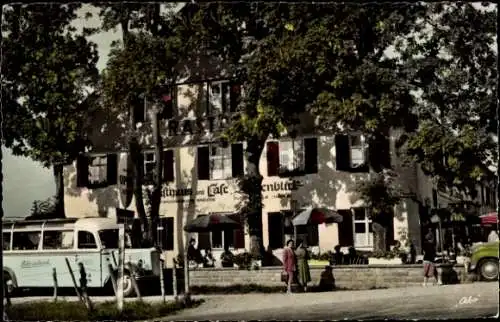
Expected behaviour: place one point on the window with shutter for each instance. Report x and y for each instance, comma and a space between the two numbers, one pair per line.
275, 229
291, 155
168, 165
203, 163
138, 110
238, 234
363, 233
346, 234
82, 171
112, 169
311, 155
149, 167
273, 158
204, 239
342, 153
167, 98
168, 236
235, 97
237, 155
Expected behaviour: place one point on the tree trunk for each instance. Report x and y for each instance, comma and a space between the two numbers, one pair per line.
251, 185
59, 180
156, 194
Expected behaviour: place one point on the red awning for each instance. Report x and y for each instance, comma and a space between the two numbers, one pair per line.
489, 219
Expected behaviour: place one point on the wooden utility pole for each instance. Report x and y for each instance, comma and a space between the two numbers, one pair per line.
121, 261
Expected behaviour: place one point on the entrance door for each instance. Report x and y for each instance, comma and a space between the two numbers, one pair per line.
275, 229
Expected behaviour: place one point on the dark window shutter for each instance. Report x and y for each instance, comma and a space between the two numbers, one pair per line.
204, 239
168, 166
234, 97
140, 164
169, 233
237, 159
311, 155
238, 234
138, 110
386, 153
82, 171
273, 158
346, 234
168, 101
112, 169
203, 163
343, 153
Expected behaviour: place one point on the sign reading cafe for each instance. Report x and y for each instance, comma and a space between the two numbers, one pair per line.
214, 190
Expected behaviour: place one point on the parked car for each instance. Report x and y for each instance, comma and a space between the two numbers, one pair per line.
484, 261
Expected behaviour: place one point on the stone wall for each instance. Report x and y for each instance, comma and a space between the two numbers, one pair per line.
346, 277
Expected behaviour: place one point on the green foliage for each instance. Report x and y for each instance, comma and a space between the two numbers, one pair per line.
73, 311
44, 209
44, 82
379, 193
454, 68
243, 260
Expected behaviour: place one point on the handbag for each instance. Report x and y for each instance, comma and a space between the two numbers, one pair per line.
284, 277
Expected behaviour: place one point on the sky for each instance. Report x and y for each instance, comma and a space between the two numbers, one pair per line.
26, 181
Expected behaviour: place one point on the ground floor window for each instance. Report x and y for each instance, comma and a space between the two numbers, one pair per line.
234, 239
355, 229
363, 232
280, 228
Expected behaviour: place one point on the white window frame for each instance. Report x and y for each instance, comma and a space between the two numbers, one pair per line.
222, 101
223, 159
147, 162
361, 147
98, 167
368, 243
295, 154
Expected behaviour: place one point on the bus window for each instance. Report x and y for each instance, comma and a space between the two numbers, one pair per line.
54, 239
26, 240
6, 241
86, 240
109, 238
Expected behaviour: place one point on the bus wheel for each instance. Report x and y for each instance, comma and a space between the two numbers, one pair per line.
9, 284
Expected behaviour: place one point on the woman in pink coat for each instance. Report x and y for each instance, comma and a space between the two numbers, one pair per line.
289, 264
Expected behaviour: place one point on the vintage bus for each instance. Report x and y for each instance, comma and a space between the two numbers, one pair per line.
32, 248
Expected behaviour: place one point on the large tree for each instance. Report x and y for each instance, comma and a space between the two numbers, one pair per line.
139, 68
452, 64
47, 73
325, 59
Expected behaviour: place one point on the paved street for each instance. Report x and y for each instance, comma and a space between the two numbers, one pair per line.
434, 302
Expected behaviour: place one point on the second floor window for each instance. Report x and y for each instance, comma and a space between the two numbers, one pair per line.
217, 162
97, 171
351, 153
292, 155
288, 157
220, 162
223, 97
149, 164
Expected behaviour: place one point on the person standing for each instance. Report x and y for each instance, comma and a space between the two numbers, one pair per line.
289, 264
430, 270
302, 255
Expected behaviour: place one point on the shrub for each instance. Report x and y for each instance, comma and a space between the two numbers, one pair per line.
322, 256
243, 260
72, 311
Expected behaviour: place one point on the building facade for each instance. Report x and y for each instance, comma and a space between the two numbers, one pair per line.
199, 175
